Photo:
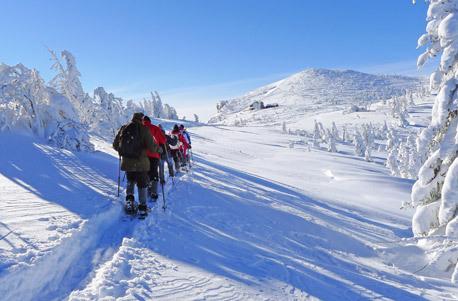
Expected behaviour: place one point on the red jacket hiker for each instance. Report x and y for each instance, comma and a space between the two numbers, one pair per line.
184, 143
158, 136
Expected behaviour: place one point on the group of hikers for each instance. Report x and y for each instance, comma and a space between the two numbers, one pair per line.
144, 149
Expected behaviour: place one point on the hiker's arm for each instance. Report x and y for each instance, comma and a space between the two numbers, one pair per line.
151, 145
116, 140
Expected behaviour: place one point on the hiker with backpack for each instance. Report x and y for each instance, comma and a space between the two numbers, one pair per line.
154, 158
187, 137
176, 146
132, 143
166, 155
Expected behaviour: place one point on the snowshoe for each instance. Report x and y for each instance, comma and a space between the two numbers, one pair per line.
142, 211
129, 207
153, 196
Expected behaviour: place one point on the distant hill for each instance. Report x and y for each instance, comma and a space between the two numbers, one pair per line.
314, 90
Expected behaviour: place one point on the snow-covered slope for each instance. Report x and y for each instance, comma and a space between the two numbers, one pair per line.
253, 220
312, 91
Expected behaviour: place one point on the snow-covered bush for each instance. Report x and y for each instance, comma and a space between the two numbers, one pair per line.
435, 192
28, 105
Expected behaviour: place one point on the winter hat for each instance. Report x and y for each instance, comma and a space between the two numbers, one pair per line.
137, 116
181, 127
146, 118
175, 127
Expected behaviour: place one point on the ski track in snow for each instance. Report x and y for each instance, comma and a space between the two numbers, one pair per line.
315, 225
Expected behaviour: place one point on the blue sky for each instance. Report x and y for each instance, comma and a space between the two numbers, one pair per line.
196, 52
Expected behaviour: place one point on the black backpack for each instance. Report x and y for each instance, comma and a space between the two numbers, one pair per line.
130, 144
172, 140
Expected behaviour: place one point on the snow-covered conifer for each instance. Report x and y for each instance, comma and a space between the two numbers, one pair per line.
369, 139
316, 135
358, 143
334, 131
440, 171
331, 141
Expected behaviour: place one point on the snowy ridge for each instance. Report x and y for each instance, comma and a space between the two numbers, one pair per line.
314, 90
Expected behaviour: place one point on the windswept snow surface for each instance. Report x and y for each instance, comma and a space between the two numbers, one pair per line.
252, 220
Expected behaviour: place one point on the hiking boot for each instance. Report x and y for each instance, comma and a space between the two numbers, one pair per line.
142, 211
142, 208
153, 190
154, 196
129, 206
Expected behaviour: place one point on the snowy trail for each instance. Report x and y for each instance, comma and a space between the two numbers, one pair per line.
232, 235
53, 276
59, 215
253, 220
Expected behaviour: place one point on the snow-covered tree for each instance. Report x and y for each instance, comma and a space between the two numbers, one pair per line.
108, 114
67, 82
316, 135
383, 130
331, 141
344, 134
369, 139
322, 131
435, 194
27, 104
358, 143
169, 112
392, 149
334, 131
196, 118
415, 160
158, 107
399, 106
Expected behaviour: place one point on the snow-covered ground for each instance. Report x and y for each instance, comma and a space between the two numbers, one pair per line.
253, 220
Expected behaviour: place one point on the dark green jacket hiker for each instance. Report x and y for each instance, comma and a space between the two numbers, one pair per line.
141, 163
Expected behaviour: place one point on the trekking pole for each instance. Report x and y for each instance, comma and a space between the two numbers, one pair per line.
168, 161
164, 205
119, 174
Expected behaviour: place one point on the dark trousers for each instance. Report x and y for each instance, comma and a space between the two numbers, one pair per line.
141, 179
138, 177
176, 154
153, 169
